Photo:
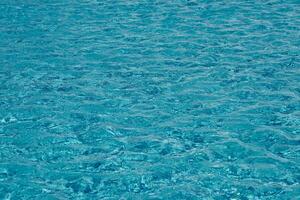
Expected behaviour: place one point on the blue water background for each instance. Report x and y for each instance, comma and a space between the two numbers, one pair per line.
149, 99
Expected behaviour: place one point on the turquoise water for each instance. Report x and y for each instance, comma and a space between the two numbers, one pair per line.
149, 99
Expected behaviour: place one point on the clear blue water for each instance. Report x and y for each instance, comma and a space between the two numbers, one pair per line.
149, 99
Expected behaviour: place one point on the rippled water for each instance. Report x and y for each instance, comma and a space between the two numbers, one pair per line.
149, 99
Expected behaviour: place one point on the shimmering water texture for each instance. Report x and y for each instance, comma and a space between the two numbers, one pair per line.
171, 100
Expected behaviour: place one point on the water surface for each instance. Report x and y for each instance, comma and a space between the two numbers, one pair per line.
149, 99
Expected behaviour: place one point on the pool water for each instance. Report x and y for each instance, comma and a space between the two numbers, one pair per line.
149, 99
